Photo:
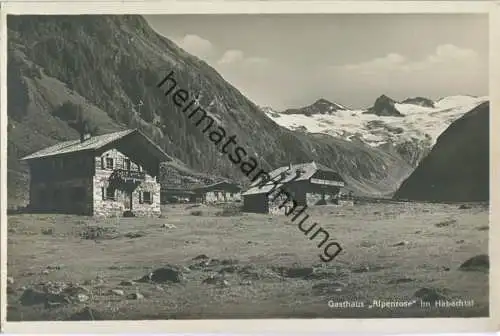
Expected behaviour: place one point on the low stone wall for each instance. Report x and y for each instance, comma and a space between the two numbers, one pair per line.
221, 197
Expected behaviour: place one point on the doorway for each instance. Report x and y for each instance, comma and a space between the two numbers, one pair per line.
127, 200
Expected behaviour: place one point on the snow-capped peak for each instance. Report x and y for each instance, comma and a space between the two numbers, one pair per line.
320, 106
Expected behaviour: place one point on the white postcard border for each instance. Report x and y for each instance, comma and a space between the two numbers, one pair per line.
290, 326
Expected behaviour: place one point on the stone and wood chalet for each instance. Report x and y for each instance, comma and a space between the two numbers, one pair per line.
113, 174
307, 183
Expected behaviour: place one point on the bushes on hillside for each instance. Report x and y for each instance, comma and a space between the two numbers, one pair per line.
76, 117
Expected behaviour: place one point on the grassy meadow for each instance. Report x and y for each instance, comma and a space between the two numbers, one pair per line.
228, 264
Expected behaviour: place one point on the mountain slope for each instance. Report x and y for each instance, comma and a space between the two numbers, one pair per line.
110, 65
457, 168
411, 135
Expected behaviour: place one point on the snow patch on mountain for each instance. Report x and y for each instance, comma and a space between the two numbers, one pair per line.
419, 124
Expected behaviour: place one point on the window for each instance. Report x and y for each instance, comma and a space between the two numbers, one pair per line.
108, 193
126, 164
109, 163
146, 197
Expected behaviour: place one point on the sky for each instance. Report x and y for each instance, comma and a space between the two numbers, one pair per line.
288, 61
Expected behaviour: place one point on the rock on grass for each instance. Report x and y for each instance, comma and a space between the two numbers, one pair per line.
32, 297
135, 296
196, 213
478, 263
295, 272
126, 283
201, 257
430, 294
164, 274
117, 292
137, 234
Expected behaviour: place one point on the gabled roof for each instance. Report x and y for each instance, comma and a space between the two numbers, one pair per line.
307, 170
262, 190
94, 143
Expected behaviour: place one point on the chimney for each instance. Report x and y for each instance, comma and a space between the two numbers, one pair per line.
84, 136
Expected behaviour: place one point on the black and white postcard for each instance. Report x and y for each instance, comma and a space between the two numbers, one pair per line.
223, 166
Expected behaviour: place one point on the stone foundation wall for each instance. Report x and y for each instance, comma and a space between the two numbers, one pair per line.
141, 208
313, 198
105, 207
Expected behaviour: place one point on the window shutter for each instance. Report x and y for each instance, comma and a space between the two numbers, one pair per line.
103, 191
140, 197
102, 162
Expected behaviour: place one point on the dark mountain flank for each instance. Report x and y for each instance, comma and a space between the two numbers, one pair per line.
321, 106
425, 102
384, 107
109, 67
457, 168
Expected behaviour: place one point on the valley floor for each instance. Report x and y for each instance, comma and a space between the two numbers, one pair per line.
261, 266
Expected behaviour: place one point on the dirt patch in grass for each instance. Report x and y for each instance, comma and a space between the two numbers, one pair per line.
445, 223
136, 234
196, 213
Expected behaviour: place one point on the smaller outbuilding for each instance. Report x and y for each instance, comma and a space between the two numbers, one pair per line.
177, 195
220, 192
307, 184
